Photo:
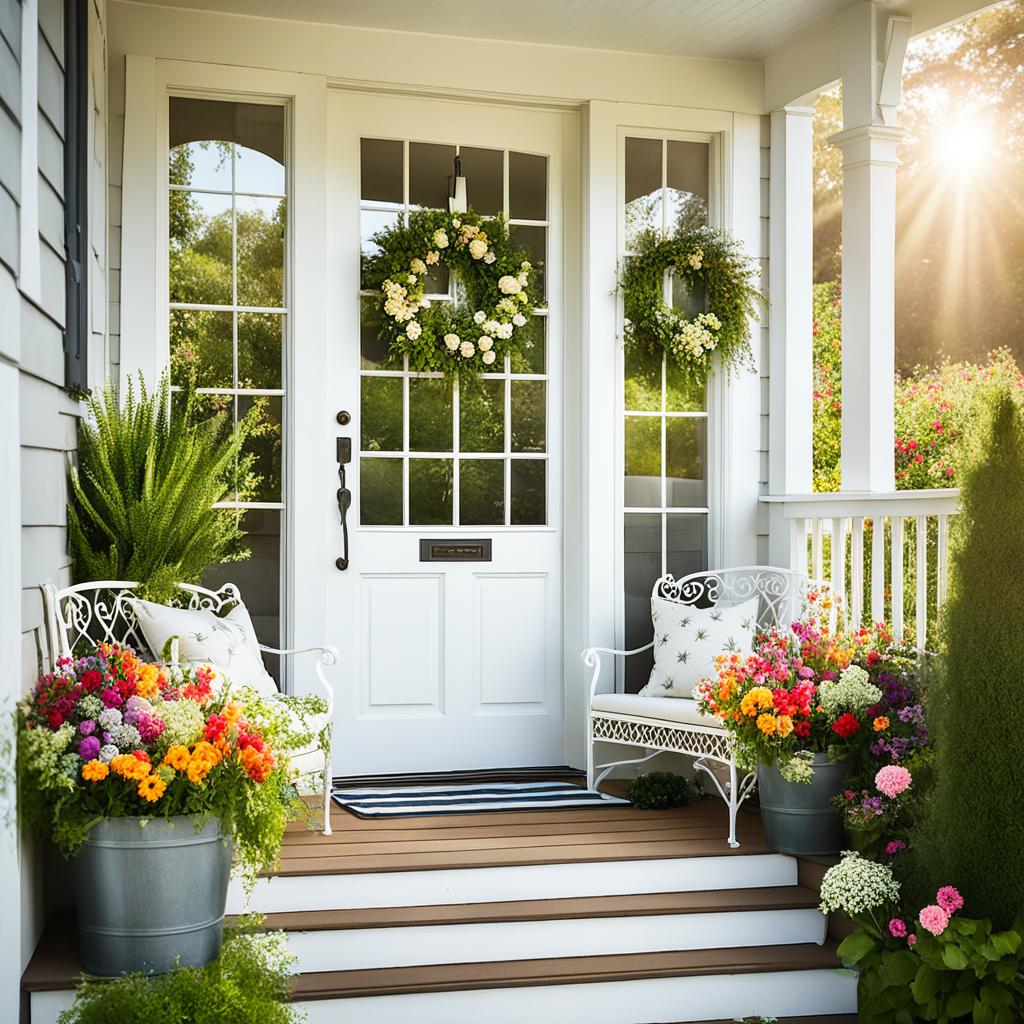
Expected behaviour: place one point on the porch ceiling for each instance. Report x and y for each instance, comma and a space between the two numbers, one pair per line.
730, 29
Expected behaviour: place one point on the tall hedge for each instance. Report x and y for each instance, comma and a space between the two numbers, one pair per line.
973, 836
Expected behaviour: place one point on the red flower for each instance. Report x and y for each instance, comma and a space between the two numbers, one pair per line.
141, 755
846, 725
92, 680
248, 739
802, 729
215, 725
872, 658
111, 698
55, 719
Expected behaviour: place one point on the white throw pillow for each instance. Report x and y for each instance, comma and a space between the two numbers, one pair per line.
226, 643
687, 640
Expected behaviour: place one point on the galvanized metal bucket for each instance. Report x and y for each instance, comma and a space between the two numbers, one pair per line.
150, 895
797, 818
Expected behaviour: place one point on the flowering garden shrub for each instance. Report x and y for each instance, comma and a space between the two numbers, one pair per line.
108, 735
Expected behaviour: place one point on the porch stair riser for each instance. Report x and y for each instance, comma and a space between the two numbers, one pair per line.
321, 891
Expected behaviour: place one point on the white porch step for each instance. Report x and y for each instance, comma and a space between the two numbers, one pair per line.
334, 891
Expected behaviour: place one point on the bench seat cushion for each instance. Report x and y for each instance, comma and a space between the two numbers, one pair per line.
681, 710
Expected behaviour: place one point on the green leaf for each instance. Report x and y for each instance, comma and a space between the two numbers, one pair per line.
961, 1003
996, 995
900, 967
926, 984
983, 1014
1004, 1016
1005, 943
954, 958
855, 947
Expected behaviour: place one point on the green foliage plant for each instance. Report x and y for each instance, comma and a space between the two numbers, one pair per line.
142, 496
975, 705
713, 267
248, 981
655, 790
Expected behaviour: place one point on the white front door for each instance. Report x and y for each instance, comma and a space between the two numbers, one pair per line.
448, 615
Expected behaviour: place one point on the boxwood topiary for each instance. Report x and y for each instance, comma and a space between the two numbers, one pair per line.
656, 790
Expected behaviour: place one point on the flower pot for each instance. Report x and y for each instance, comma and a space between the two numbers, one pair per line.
798, 818
150, 893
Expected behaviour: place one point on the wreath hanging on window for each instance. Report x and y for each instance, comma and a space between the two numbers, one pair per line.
494, 295
718, 276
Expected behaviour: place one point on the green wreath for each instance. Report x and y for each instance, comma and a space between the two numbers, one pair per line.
495, 293
705, 259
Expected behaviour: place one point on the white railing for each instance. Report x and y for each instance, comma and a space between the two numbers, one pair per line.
887, 554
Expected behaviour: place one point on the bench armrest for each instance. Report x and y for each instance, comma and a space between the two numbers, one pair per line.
327, 655
592, 659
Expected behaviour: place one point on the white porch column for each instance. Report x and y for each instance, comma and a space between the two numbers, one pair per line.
872, 49
790, 358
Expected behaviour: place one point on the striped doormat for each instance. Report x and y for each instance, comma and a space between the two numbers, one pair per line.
480, 798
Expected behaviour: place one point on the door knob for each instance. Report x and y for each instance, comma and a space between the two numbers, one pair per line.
344, 417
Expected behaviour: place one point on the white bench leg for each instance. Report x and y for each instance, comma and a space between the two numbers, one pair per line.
328, 784
734, 803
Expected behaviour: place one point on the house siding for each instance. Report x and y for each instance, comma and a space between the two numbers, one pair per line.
762, 339
38, 417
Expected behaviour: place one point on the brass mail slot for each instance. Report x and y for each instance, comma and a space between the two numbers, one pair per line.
455, 550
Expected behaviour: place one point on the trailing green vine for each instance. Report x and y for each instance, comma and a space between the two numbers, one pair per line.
495, 292
710, 264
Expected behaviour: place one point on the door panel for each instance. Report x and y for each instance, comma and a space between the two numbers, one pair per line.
444, 664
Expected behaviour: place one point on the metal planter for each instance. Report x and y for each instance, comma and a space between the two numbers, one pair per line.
150, 896
798, 818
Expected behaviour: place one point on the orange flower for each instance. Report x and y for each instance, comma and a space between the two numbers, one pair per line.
95, 771
198, 770
881, 723
177, 757
151, 788
784, 726
147, 680
767, 724
204, 751
129, 767
232, 712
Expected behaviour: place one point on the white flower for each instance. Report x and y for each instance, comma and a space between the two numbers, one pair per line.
479, 316
412, 279
467, 349
509, 285
414, 330
417, 266
456, 223
424, 303
490, 257
523, 278
506, 305
696, 258
484, 343
851, 692
519, 320
488, 358
452, 341
525, 265
491, 326
432, 257
477, 249
440, 239
856, 885
504, 331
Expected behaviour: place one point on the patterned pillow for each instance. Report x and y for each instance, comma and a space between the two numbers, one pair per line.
687, 640
226, 643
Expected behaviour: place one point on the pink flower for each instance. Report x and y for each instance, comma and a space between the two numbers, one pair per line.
949, 898
895, 846
911, 940
892, 780
933, 919
898, 928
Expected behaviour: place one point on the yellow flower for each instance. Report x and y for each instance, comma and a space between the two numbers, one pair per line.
151, 788
880, 724
128, 766
147, 680
94, 771
198, 769
766, 723
756, 699
177, 757
232, 712
784, 726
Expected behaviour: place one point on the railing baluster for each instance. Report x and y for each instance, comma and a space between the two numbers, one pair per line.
877, 569
921, 597
856, 571
817, 548
838, 577
896, 523
943, 556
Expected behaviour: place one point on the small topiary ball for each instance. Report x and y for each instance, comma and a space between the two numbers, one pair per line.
656, 790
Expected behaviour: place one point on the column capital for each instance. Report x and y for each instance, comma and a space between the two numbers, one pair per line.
868, 143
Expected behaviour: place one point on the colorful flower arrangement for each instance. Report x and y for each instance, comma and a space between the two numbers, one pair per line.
108, 735
802, 692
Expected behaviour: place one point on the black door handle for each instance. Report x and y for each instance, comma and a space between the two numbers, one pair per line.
344, 498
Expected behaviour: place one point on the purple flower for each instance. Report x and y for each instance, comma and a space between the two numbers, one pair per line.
107, 737
131, 717
88, 748
111, 698
87, 728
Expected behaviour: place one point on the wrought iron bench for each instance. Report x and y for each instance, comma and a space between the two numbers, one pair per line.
101, 612
675, 724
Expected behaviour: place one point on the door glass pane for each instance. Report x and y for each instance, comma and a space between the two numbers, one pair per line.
201, 345
259, 153
641, 566
643, 462
527, 186
685, 443
261, 232
380, 492
528, 415
430, 492
380, 169
682, 394
370, 222
373, 350
482, 492
689, 300
643, 188
263, 413
430, 415
482, 417
203, 165
686, 541
534, 240
260, 348
429, 168
532, 357
528, 484
642, 379
200, 248
200, 134
687, 178
484, 170
381, 414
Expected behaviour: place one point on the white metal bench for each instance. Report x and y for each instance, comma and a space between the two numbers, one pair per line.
675, 724
101, 612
